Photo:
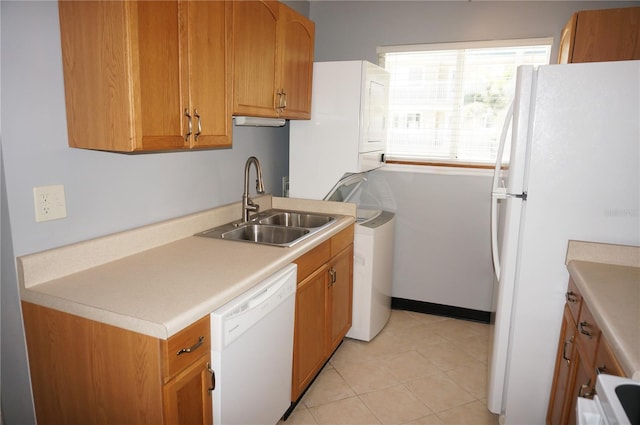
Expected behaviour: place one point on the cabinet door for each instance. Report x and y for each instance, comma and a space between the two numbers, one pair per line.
187, 397
565, 50
557, 413
209, 26
99, 81
607, 35
163, 76
309, 331
296, 46
255, 26
340, 297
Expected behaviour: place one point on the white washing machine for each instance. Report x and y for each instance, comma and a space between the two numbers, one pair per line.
373, 257
372, 275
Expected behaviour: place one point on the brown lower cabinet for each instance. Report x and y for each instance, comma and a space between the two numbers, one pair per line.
85, 372
323, 307
583, 352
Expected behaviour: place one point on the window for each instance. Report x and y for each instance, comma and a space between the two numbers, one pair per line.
448, 101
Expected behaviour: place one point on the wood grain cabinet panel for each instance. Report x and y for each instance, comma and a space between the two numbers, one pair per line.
601, 35
295, 64
309, 348
340, 297
565, 360
85, 372
147, 75
273, 60
323, 308
583, 352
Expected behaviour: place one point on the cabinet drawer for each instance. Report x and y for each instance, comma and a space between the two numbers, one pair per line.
186, 346
574, 300
313, 259
342, 240
588, 335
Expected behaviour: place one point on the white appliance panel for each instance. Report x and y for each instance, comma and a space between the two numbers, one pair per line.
372, 277
583, 182
511, 182
252, 352
347, 129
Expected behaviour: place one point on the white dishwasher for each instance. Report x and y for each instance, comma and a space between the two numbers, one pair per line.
252, 352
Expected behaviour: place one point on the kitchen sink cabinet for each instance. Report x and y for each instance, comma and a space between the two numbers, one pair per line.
84, 371
187, 397
323, 307
601, 35
340, 297
273, 60
583, 352
147, 75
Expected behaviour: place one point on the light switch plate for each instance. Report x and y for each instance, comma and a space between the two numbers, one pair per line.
49, 202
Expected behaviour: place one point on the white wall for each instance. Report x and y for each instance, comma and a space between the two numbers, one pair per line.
105, 192
442, 252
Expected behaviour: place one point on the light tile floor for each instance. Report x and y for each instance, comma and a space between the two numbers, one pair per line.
421, 369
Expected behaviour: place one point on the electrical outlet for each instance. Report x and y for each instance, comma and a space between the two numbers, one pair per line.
49, 202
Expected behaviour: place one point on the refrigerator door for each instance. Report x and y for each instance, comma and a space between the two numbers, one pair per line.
506, 212
583, 183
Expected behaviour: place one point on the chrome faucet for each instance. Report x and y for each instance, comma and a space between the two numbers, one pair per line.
247, 203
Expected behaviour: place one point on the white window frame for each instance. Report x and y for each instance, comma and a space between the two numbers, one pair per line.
382, 50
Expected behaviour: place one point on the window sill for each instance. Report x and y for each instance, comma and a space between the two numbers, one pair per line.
441, 164
421, 167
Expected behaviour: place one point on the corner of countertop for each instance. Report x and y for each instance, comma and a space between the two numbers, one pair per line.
605, 253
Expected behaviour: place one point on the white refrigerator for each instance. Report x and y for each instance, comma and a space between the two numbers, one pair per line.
573, 173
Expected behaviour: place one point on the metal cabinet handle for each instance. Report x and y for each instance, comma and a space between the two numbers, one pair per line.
190, 125
564, 349
282, 100
585, 390
192, 348
583, 327
213, 379
602, 369
332, 275
571, 297
195, 113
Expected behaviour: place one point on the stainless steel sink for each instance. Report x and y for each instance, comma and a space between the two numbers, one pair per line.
272, 227
264, 233
297, 219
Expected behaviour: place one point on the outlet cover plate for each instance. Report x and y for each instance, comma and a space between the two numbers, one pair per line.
49, 202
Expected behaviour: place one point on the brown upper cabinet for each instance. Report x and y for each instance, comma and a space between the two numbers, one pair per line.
601, 35
147, 76
273, 60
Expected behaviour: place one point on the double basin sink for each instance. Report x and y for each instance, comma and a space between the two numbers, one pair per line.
272, 227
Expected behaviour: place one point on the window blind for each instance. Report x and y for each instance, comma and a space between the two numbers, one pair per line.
448, 101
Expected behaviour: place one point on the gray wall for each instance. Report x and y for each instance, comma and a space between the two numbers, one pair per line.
442, 250
105, 192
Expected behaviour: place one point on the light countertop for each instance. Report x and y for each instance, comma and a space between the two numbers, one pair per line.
158, 279
608, 277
